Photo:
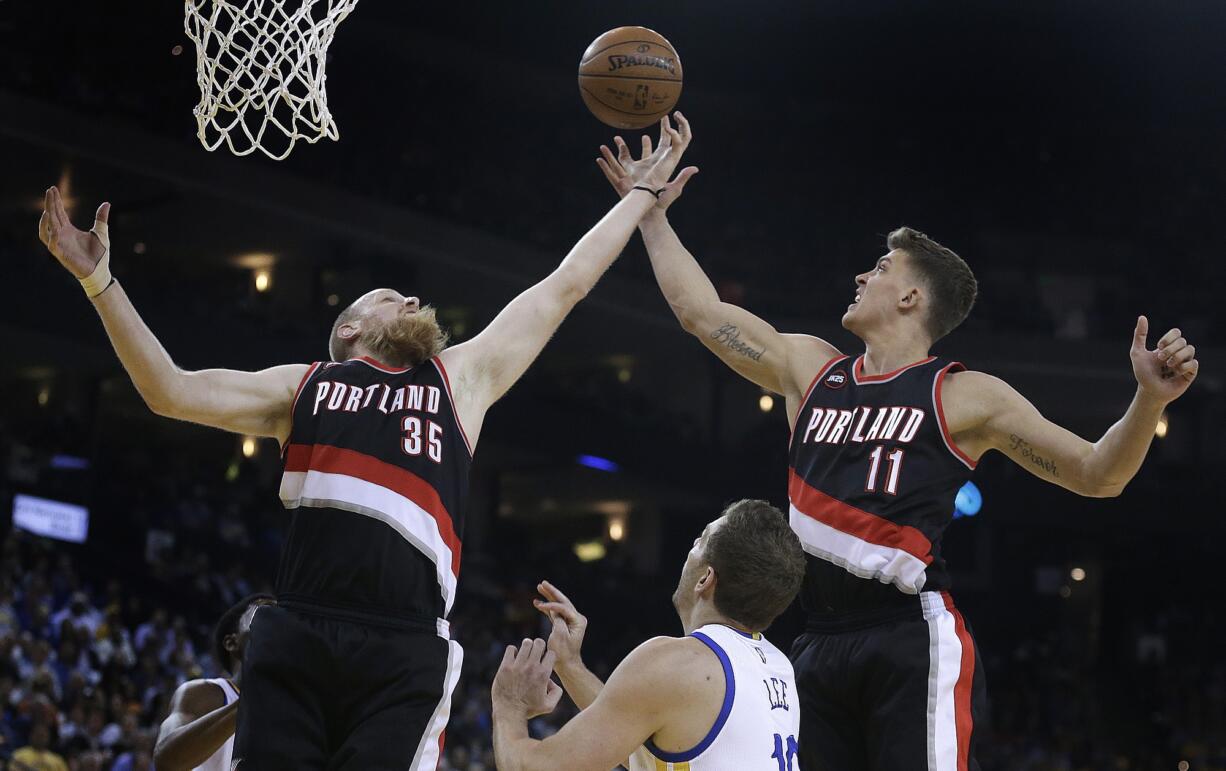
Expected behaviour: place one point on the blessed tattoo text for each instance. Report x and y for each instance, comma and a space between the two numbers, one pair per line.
730, 336
1026, 451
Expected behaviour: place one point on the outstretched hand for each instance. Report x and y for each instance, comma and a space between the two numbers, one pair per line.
654, 168
569, 625
1167, 371
522, 684
80, 251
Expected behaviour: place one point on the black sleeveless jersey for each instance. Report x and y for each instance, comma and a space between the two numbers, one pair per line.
376, 478
872, 480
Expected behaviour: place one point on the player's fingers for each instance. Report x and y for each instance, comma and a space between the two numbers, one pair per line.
623, 152
44, 228
686, 133
103, 215
610, 159
60, 212
537, 651
555, 594
1140, 334
1183, 355
613, 179
508, 656
1169, 338
1189, 369
647, 145
548, 660
565, 613
525, 651
1165, 352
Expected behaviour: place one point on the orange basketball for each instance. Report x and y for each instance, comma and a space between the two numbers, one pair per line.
630, 77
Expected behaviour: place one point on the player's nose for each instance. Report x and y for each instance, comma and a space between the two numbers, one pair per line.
412, 303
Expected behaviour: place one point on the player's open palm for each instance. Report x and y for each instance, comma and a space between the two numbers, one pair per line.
79, 251
1168, 370
569, 625
654, 168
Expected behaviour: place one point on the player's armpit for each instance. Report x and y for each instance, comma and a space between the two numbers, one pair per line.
985, 413
186, 739
257, 403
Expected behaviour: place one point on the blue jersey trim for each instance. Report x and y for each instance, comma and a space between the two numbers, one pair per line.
725, 710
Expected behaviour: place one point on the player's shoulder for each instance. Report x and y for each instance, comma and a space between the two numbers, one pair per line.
970, 397
198, 697
969, 383
808, 355
668, 658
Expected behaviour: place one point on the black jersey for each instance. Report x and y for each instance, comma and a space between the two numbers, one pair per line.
376, 475
872, 480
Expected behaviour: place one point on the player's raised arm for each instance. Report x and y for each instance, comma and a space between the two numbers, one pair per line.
490, 363
566, 643
243, 402
199, 723
628, 711
986, 413
783, 363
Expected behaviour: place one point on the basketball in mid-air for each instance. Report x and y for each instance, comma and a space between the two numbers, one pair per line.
630, 77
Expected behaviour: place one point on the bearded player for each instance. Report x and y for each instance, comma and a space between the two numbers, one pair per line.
881, 443
354, 666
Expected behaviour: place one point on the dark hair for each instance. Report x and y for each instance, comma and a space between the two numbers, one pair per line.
228, 625
948, 278
758, 562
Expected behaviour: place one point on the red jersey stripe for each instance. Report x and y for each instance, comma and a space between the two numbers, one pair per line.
963, 721
858, 371
848, 519
337, 460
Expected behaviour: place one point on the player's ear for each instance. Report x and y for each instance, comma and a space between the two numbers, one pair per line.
348, 330
706, 582
910, 299
230, 642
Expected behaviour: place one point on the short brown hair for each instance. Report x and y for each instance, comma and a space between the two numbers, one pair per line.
948, 278
758, 562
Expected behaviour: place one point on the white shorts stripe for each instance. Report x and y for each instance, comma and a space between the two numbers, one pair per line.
945, 657
427, 756
316, 489
857, 556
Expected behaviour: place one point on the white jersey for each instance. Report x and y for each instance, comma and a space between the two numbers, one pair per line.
220, 760
758, 725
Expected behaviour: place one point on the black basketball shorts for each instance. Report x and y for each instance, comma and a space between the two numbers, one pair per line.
901, 690
323, 693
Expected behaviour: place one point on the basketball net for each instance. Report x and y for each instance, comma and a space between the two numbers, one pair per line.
260, 68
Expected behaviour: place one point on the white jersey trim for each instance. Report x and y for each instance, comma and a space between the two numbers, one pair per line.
319, 489
429, 750
857, 556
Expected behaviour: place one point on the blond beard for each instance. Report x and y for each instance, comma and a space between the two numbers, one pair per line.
408, 340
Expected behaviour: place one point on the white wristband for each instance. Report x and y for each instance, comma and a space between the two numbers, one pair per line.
96, 283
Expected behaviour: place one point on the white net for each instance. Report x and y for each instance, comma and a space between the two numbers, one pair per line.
260, 67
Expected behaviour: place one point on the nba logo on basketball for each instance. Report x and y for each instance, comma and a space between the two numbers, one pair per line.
836, 379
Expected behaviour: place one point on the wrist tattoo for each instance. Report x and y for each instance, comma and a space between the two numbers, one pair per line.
1023, 448
730, 336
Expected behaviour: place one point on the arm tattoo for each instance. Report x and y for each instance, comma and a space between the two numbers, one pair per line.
1022, 447
730, 336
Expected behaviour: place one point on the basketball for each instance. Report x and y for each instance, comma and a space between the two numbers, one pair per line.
630, 77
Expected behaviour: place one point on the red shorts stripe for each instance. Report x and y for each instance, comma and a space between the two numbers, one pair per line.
848, 519
337, 460
963, 721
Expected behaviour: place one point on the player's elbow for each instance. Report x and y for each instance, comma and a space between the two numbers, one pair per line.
1105, 490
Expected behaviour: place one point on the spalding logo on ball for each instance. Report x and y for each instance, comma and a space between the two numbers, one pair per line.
630, 77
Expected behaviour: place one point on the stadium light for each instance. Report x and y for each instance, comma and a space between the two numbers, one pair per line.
1162, 427
1077, 574
249, 446
617, 528
766, 402
263, 279
590, 551
968, 501
598, 463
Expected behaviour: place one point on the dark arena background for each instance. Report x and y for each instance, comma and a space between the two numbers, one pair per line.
1073, 153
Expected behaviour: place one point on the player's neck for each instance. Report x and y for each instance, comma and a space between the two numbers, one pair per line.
893, 350
703, 614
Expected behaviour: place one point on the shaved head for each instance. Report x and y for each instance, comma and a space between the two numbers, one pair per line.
388, 326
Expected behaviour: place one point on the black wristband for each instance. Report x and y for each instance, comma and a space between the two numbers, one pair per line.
656, 193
